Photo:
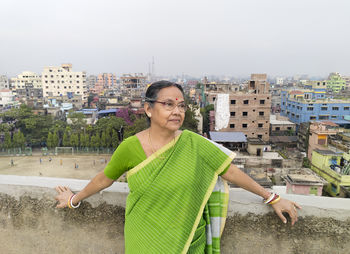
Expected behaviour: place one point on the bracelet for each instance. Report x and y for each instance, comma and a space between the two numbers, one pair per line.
275, 200
70, 202
269, 199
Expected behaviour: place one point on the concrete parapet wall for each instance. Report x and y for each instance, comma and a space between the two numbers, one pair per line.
30, 223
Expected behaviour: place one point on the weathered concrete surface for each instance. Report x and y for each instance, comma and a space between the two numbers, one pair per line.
30, 223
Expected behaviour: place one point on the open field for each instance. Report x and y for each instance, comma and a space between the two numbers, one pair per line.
60, 166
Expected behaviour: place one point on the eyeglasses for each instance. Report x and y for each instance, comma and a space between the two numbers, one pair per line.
170, 105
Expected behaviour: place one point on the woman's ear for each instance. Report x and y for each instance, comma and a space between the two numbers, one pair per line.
147, 108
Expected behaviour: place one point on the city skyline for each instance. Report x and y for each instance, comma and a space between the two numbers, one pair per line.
195, 38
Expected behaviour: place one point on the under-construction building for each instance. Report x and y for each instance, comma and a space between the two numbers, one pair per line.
249, 109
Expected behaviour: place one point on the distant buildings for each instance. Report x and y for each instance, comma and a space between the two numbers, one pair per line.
104, 81
26, 79
4, 82
60, 81
311, 105
335, 82
6, 97
249, 109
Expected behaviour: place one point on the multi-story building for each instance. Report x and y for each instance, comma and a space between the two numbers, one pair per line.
133, 85
26, 78
250, 109
4, 82
6, 97
60, 81
91, 81
335, 82
309, 105
29, 94
104, 81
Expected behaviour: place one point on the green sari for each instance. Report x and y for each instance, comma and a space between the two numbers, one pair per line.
171, 192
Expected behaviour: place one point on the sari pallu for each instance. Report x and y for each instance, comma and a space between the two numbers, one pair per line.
169, 191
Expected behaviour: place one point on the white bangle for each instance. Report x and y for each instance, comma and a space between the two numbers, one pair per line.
71, 202
268, 200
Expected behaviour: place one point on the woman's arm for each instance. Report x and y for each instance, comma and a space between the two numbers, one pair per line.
236, 176
98, 183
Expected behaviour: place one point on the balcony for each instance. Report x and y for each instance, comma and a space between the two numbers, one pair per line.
30, 223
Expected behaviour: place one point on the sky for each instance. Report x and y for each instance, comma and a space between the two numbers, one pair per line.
192, 37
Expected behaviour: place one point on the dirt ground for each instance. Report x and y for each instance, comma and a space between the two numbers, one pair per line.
65, 166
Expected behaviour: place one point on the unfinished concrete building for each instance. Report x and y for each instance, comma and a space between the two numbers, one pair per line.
133, 85
250, 109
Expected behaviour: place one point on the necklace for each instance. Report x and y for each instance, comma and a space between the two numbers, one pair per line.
153, 151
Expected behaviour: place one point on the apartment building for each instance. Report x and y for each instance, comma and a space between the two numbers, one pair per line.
61, 81
310, 105
4, 82
25, 79
104, 81
249, 109
6, 97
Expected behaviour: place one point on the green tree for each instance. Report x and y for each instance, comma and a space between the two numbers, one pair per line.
103, 141
7, 141
74, 140
66, 138
190, 122
18, 139
49, 140
78, 121
115, 140
206, 121
55, 139
139, 125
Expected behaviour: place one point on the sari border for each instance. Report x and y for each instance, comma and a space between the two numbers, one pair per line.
206, 198
154, 155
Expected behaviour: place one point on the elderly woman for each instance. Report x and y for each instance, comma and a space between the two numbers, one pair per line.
178, 193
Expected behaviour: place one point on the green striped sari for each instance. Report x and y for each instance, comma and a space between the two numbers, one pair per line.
171, 192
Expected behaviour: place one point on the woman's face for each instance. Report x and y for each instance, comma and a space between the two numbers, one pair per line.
161, 115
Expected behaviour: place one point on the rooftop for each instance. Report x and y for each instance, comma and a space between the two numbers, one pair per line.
227, 136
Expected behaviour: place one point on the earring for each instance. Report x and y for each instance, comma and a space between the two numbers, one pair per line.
149, 115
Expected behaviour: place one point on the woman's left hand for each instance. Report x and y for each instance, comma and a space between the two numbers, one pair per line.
287, 206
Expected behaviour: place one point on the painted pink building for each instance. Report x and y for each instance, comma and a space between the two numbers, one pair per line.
104, 81
304, 184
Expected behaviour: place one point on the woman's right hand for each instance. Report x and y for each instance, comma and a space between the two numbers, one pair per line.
64, 194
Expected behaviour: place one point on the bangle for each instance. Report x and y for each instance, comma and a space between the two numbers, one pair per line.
70, 204
269, 199
275, 200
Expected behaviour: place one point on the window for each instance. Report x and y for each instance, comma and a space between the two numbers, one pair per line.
246, 102
334, 117
244, 125
260, 125
244, 113
277, 128
261, 113
289, 128
335, 108
312, 117
233, 102
346, 108
323, 117
310, 108
324, 108
233, 113
213, 97
232, 126
259, 136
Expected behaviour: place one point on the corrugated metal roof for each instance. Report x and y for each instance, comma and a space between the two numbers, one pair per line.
108, 111
227, 136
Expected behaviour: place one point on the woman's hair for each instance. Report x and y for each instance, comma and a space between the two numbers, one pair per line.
153, 90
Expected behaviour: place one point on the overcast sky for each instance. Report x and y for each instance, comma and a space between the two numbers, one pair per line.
195, 37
